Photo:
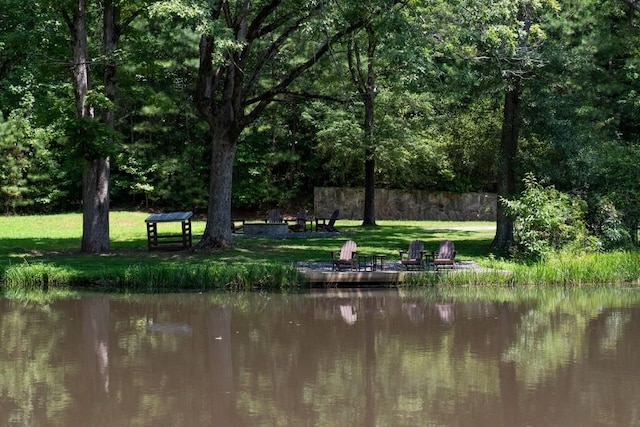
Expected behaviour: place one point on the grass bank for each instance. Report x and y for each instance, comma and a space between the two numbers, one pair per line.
41, 252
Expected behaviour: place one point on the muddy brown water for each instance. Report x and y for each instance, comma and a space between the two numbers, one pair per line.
326, 358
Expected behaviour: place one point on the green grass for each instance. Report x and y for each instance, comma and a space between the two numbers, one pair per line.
42, 251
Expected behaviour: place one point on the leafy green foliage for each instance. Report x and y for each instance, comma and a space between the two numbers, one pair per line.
441, 75
615, 186
89, 138
29, 174
547, 221
607, 223
14, 151
276, 163
583, 136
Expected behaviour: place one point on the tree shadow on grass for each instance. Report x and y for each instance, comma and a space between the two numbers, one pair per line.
386, 239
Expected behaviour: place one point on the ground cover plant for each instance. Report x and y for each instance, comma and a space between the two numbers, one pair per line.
42, 252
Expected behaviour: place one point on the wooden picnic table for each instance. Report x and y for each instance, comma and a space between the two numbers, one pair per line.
174, 241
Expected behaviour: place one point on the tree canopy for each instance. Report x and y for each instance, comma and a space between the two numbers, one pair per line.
230, 105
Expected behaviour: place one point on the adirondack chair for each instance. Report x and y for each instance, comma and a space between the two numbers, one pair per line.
275, 216
301, 222
445, 256
413, 258
235, 227
345, 257
330, 226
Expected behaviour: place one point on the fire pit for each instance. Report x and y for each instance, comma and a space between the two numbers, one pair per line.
265, 229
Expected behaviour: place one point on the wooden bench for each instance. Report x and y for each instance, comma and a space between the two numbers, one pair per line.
169, 242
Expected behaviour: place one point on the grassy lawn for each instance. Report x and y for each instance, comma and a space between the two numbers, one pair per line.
54, 241
56, 238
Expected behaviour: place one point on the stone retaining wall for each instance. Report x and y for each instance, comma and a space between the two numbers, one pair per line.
406, 205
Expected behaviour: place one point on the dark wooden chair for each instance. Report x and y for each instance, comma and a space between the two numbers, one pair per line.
301, 223
275, 217
235, 227
413, 258
345, 257
445, 256
328, 226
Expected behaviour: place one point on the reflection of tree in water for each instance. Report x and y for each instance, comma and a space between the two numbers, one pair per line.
33, 388
95, 332
295, 360
568, 356
369, 363
222, 396
312, 362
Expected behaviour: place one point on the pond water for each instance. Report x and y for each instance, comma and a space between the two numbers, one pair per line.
327, 358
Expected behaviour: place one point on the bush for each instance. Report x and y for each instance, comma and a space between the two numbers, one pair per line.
606, 223
546, 221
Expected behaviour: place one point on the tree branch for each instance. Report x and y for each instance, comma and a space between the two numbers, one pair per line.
254, 29
309, 95
125, 24
355, 65
633, 4
274, 47
67, 18
265, 98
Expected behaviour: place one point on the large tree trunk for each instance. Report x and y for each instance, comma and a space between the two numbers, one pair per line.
97, 175
95, 206
97, 171
224, 117
508, 149
506, 165
366, 83
95, 179
218, 230
369, 216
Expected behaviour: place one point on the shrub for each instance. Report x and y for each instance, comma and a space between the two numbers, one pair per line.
606, 222
547, 220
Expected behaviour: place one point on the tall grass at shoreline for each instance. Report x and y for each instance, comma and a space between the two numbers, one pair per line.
613, 269
158, 278
616, 268
41, 277
141, 278
566, 270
